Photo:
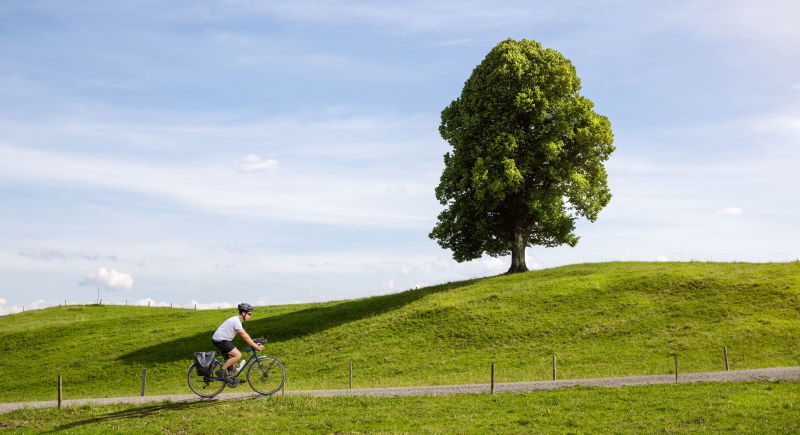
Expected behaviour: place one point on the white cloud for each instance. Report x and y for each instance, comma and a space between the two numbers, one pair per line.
662, 258
233, 247
149, 302
255, 163
387, 287
313, 296
332, 196
8, 310
108, 279
41, 303
35, 305
200, 306
494, 264
733, 211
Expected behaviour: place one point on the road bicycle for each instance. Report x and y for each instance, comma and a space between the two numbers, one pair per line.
266, 375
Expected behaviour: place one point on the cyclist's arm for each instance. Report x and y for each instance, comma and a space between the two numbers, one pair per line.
246, 337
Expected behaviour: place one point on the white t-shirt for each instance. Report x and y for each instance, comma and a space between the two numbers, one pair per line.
227, 330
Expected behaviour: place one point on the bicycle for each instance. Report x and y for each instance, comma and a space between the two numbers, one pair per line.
266, 375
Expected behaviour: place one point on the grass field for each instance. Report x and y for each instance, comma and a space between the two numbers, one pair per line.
758, 407
609, 319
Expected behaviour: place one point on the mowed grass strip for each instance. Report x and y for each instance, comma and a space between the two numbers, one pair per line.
601, 320
755, 407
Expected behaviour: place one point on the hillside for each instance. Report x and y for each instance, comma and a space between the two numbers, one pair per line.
610, 319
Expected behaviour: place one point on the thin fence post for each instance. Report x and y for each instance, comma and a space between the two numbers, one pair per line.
148, 303
195, 307
676, 368
725, 349
59, 391
144, 380
491, 389
554, 367
170, 304
351, 374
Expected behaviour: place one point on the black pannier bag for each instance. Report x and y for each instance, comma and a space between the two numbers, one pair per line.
202, 362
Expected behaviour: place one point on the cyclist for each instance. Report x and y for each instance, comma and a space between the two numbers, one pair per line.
224, 335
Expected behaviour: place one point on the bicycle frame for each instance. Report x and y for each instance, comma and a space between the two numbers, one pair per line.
247, 362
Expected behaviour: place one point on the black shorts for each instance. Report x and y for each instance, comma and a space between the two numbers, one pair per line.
225, 346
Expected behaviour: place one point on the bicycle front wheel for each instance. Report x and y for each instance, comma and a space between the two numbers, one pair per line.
266, 375
206, 386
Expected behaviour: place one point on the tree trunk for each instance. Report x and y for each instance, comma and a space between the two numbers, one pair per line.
518, 254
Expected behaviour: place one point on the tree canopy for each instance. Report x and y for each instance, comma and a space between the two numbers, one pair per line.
527, 158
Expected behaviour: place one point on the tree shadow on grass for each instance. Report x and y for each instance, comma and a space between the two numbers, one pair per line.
141, 412
288, 326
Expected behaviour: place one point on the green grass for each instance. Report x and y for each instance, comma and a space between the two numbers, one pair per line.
758, 407
610, 319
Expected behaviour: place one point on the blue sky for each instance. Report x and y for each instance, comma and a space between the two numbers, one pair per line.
211, 152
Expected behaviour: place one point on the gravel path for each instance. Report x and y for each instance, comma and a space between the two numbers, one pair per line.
772, 374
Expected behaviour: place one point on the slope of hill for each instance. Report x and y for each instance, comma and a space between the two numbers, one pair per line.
610, 319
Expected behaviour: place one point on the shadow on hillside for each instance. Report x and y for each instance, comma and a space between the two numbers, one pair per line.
288, 326
138, 412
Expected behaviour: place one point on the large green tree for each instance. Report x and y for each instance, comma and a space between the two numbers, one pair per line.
527, 157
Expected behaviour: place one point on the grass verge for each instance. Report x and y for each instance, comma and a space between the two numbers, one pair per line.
753, 407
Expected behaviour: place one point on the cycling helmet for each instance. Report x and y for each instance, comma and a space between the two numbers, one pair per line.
243, 307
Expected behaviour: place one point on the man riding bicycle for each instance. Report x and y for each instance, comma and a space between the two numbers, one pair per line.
224, 335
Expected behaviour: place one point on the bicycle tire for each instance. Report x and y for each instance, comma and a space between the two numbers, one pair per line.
266, 375
201, 385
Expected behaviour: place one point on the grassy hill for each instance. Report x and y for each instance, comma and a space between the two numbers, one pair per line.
610, 319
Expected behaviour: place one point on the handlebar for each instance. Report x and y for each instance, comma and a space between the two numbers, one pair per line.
260, 340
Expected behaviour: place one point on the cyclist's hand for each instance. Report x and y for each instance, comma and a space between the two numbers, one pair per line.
259, 346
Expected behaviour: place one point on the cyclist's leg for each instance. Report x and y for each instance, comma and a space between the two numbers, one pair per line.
230, 364
226, 348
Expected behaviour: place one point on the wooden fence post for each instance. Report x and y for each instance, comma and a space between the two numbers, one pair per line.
491, 389
554, 367
59, 391
144, 380
725, 349
676, 368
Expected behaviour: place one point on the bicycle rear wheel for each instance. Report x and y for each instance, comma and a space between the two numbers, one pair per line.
266, 375
206, 386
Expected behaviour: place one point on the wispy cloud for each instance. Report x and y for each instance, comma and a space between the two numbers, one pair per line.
732, 211
330, 197
52, 254
255, 163
42, 254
